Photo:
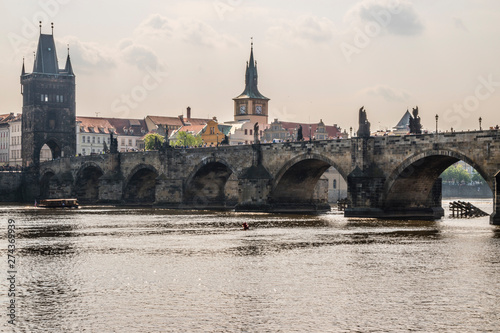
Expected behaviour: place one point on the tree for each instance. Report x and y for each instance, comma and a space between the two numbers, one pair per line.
456, 174
477, 178
150, 139
185, 139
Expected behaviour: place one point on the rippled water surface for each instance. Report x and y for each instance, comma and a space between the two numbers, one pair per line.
116, 269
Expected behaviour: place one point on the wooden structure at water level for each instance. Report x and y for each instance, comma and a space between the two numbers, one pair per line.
465, 209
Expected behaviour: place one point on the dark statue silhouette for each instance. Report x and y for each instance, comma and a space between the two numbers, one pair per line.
414, 124
364, 124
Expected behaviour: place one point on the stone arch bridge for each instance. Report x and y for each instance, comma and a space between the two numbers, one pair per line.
390, 177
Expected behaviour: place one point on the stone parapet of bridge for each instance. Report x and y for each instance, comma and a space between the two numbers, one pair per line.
390, 176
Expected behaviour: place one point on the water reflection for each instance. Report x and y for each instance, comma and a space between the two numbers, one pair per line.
105, 269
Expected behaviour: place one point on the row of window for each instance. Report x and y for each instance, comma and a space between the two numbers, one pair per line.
93, 139
14, 154
16, 140
251, 132
51, 98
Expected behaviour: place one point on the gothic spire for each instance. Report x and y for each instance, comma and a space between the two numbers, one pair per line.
68, 69
251, 90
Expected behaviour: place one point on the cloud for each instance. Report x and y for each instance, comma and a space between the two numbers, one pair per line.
86, 57
197, 32
188, 30
138, 55
396, 17
388, 93
155, 26
306, 29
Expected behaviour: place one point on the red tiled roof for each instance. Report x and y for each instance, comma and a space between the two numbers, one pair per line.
196, 129
332, 131
176, 121
119, 125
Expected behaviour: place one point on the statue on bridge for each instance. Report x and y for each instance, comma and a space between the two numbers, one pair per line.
364, 124
166, 143
113, 148
256, 133
300, 136
415, 126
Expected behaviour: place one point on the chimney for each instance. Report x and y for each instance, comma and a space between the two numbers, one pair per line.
188, 114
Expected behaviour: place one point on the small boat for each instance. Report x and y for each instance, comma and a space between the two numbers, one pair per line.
58, 203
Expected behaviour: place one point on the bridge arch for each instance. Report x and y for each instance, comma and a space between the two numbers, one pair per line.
55, 185
140, 185
86, 187
207, 185
54, 146
410, 185
296, 180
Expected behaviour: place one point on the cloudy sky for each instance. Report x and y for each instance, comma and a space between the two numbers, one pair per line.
317, 59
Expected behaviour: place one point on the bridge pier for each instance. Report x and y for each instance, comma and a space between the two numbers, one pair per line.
111, 188
366, 194
495, 216
168, 192
253, 195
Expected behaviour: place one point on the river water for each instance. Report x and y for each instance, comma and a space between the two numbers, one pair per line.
117, 269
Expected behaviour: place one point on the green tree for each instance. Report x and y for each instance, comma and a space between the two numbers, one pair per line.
186, 139
456, 174
149, 140
477, 178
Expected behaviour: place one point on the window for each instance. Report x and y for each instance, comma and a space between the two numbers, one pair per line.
93, 139
123, 142
335, 183
212, 130
83, 139
98, 139
246, 132
83, 151
130, 142
88, 139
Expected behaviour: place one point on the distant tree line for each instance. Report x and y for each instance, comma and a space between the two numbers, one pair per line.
456, 174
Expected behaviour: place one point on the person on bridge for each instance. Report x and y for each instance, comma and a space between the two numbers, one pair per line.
245, 226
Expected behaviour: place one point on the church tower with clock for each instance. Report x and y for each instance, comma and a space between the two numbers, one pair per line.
251, 104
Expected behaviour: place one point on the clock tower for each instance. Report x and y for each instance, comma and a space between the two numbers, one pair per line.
251, 104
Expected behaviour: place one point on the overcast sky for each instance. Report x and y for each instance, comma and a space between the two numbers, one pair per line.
317, 59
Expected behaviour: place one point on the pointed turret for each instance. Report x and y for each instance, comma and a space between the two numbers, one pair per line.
23, 71
46, 56
68, 69
251, 90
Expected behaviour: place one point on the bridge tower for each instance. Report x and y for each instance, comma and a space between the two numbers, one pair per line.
251, 104
49, 108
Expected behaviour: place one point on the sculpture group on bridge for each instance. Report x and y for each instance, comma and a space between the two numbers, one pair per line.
300, 136
415, 126
364, 124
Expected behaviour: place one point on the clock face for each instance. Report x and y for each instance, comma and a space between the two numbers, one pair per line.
243, 109
258, 109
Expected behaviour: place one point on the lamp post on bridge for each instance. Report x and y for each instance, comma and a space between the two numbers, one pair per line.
480, 120
437, 117
350, 130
